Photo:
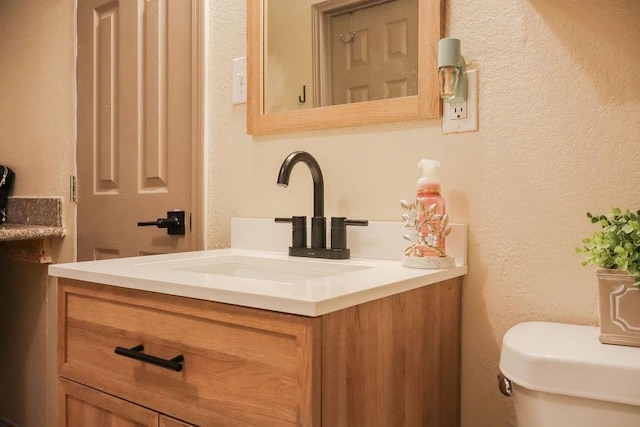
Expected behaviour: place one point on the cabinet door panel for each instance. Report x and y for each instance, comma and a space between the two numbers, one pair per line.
83, 406
170, 422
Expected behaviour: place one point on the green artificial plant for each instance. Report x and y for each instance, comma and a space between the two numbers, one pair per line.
616, 245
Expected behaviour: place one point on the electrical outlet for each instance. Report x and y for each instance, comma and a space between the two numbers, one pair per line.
239, 95
463, 116
458, 111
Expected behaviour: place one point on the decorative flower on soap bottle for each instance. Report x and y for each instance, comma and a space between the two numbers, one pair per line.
427, 229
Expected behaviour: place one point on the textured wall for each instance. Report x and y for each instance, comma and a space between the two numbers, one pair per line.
37, 102
37, 140
559, 136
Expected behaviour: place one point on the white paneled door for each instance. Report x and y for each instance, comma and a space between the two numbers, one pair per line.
136, 111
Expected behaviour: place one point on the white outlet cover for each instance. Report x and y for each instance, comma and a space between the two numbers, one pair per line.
454, 124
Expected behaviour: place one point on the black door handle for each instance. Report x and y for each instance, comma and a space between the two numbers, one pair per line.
136, 353
174, 223
162, 222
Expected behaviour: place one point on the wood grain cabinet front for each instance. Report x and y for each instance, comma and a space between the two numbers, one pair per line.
85, 406
389, 362
241, 366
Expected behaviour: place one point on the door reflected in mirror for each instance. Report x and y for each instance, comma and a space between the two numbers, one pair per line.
315, 64
322, 53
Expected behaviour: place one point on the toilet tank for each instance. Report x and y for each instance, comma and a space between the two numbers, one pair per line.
561, 375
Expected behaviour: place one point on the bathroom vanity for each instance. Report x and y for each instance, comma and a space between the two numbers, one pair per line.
238, 337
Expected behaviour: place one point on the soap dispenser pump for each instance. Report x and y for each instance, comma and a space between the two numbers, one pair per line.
427, 219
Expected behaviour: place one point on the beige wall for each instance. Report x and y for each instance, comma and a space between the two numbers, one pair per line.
37, 140
37, 101
559, 108
559, 136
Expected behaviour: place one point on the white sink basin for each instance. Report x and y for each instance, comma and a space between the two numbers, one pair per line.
259, 268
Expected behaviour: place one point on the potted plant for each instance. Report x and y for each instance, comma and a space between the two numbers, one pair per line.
615, 248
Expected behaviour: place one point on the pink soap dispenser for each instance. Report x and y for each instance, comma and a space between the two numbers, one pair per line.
427, 221
429, 195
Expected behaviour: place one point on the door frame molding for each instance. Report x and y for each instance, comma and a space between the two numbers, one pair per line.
198, 156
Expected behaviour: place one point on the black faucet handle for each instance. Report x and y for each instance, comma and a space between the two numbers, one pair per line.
359, 222
298, 230
280, 219
340, 221
339, 231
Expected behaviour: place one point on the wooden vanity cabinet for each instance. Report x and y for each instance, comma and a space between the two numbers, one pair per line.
394, 361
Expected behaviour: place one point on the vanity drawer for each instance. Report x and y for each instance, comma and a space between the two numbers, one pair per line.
241, 366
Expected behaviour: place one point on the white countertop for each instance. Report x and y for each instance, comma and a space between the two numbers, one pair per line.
376, 249
308, 296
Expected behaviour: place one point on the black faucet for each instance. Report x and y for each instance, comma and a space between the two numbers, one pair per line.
316, 174
318, 222
318, 248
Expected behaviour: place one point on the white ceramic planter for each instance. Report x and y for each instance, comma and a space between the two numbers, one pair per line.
619, 308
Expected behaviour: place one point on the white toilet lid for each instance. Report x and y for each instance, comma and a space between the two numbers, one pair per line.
570, 360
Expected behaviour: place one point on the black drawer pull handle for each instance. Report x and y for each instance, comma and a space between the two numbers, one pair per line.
136, 353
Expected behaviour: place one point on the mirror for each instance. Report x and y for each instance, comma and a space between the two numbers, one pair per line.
301, 53
354, 51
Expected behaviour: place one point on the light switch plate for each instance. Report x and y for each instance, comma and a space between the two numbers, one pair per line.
453, 119
239, 80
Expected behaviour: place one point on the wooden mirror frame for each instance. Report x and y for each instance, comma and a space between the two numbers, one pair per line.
426, 104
